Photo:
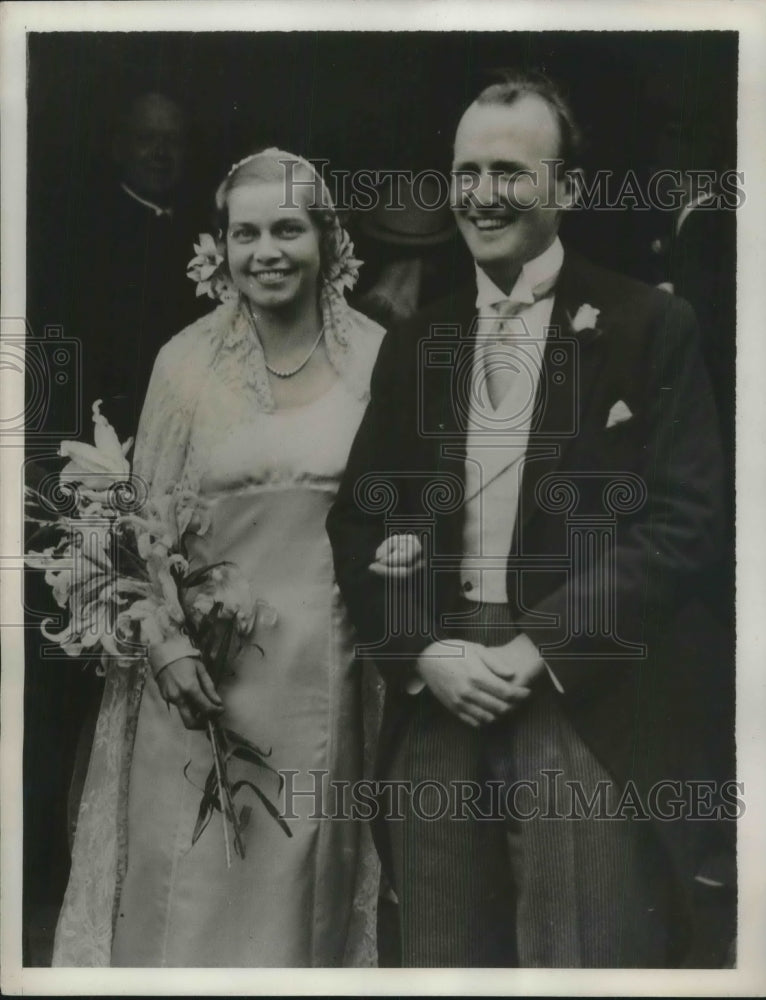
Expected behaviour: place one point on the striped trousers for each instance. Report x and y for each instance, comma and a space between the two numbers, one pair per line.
528, 886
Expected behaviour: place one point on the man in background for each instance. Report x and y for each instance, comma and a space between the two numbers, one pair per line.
133, 293
408, 244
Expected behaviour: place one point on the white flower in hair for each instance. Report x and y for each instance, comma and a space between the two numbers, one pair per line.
343, 272
207, 268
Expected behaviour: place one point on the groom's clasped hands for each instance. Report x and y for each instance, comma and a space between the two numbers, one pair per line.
477, 683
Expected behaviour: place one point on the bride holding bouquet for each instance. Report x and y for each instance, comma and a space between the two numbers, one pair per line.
252, 409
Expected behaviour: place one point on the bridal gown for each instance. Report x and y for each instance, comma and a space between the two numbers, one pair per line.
269, 477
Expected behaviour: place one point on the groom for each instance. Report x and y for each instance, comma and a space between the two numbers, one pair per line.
541, 456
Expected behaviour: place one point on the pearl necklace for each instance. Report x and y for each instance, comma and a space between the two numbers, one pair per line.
288, 372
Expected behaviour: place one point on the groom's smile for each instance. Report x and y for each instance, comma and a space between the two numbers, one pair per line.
491, 224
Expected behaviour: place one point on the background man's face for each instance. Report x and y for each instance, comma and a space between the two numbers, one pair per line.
501, 186
150, 149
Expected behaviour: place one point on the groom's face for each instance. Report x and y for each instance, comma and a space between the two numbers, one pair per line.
507, 199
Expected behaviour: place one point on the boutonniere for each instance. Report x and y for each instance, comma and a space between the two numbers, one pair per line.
584, 321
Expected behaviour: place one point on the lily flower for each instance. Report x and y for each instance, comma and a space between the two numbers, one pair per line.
344, 272
96, 467
60, 582
206, 266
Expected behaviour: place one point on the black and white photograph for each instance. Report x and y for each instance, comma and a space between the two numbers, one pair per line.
382, 447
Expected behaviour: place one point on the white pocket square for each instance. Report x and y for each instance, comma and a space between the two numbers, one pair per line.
619, 413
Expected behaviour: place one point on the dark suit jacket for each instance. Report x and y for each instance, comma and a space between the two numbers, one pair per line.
139, 297
637, 688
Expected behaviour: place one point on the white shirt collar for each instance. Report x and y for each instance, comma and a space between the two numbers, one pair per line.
157, 209
541, 269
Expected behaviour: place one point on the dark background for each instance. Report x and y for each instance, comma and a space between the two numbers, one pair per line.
362, 101
372, 101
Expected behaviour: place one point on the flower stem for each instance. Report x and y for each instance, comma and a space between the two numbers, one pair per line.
216, 761
236, 830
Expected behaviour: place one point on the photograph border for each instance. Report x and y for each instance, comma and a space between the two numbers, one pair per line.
749, 20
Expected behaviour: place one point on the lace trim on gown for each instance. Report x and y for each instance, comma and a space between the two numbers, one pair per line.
168, 453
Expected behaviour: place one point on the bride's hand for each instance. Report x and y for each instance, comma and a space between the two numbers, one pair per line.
186, 684
398, 556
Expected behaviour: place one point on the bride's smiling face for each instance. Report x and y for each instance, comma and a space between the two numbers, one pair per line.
273, 251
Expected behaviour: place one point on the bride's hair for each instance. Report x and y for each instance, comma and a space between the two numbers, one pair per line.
303, 187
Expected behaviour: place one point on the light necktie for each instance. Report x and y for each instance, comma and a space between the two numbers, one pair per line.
506, 352
501, 355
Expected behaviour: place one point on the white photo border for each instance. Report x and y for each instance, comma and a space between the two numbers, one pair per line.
749, 20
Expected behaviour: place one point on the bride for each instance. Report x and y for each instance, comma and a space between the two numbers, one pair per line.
253, 407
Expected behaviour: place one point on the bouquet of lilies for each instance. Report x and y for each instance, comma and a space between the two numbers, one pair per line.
117, 563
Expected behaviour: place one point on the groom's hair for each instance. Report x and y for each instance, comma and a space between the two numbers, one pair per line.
514, 84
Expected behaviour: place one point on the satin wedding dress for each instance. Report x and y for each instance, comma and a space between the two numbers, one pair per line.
140, 894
